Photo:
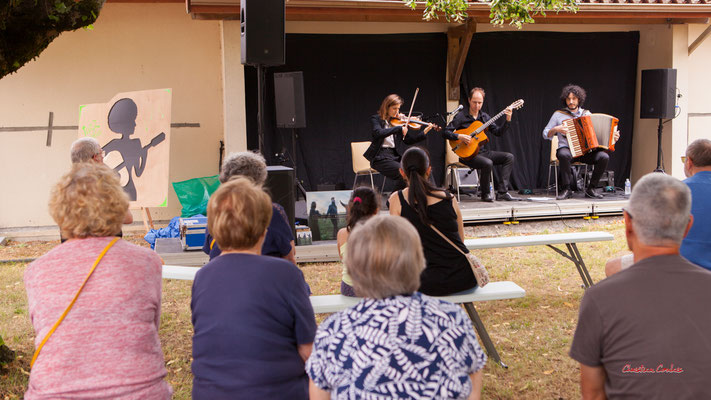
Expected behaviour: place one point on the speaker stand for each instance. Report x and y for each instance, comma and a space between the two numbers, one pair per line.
659, 148
298, 186
261, 87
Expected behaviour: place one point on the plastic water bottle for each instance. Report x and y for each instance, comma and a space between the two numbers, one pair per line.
628, 187
491, 188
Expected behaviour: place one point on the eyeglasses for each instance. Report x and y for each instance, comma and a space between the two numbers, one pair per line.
683, 159
101, 153
628, 212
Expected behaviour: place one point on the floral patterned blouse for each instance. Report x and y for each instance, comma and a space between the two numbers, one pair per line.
414, 347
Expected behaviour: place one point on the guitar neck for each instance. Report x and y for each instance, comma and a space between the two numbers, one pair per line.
489, 122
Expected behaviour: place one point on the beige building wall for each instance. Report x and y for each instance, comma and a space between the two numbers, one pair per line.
698, 104
145, 46
132, 47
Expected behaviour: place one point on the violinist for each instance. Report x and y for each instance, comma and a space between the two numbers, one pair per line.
388, 128
486, 159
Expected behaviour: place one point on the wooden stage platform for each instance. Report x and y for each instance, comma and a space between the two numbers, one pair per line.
537, 207
474, 211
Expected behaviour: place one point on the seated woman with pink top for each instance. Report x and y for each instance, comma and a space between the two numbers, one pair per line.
107, 345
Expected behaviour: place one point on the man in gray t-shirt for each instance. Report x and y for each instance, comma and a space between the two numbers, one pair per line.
644, 333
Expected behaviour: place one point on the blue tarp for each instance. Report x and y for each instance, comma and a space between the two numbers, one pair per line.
170, 231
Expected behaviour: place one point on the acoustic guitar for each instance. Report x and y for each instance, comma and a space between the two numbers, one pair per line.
477, 131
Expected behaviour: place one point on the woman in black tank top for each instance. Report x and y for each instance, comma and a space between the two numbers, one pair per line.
448, 270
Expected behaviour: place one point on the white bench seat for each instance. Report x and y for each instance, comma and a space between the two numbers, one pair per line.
570, 240
537, 240
336, 302
493, 291
179, 272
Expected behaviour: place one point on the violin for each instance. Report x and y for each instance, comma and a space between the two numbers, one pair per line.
413, 124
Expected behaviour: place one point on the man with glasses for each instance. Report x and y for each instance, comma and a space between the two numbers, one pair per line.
696, 246
643, 333
87, 149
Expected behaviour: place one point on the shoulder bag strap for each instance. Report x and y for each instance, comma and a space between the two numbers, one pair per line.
447, 239
69, 307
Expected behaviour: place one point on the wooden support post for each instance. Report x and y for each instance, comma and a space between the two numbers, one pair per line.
458, 39
147, 220
49, 129
700, 39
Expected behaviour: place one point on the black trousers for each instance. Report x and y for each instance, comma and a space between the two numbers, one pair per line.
597, 158
387, 162
485, 162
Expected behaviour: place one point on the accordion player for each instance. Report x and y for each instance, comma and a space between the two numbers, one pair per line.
590, 132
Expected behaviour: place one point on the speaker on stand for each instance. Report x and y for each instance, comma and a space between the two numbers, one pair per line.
262, 44
290, 111
658, 101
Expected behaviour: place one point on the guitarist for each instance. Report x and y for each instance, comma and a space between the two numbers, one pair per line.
485, 159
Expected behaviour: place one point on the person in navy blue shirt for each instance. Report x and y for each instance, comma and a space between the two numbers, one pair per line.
253, 322
280, 238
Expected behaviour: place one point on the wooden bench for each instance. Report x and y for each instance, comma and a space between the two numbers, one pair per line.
570, 240
336, 302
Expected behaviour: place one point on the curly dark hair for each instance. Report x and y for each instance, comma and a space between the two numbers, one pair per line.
576, 90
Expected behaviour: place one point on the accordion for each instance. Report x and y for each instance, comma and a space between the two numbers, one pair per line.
590, 132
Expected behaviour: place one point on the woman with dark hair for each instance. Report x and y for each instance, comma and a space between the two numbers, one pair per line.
362, 205
382, 153
424, 205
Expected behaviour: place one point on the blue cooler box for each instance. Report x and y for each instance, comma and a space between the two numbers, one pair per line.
192, 232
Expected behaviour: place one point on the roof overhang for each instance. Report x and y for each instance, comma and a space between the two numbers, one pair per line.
628, 12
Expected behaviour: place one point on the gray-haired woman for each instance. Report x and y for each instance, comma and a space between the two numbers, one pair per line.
395, 343
280, 238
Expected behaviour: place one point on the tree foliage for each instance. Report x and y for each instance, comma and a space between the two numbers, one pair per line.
27, 27
516, 12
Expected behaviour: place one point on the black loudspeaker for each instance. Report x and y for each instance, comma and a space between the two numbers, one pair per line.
280, 185
262, 31
658, 93
289, 99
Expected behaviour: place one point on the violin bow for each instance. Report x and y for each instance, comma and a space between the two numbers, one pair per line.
412, 106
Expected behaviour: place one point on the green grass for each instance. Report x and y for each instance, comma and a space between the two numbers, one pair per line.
532, 334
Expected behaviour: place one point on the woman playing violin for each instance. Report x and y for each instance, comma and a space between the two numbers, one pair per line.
388, 125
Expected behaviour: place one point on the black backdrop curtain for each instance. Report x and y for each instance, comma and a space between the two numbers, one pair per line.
345, 79
535, 66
